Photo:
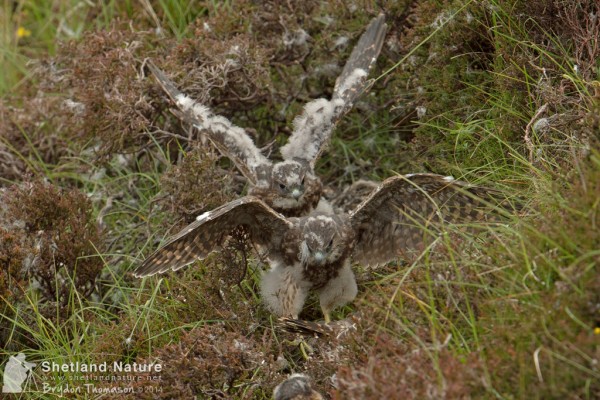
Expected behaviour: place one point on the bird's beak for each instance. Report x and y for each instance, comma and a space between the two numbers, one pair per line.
319, 256
296, 193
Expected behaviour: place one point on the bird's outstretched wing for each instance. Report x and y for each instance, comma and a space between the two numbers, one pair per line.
405, 212
207, 233
231, 140
312, 128
354, 195
351, 84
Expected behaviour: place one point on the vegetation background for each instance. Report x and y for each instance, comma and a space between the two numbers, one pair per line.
95, 171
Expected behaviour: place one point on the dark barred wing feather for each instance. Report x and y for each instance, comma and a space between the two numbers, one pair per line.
207, 233
406, 212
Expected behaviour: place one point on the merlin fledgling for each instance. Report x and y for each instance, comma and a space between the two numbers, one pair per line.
397, 220
290, 186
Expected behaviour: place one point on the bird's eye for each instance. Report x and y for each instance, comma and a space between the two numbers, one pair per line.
302, 181
330, 245
281, 186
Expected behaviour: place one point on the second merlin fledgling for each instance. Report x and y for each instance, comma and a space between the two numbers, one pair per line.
291, 186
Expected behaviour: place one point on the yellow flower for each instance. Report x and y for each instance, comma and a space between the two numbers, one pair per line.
23, 32
597, 330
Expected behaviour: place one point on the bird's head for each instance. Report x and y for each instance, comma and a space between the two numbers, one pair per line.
325, 239
296, 387
293, 189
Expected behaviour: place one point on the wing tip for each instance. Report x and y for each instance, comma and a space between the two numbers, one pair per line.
167, 84
145, 270
378, 25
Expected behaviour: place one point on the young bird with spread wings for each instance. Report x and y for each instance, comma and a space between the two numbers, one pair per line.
314, 252
290, 186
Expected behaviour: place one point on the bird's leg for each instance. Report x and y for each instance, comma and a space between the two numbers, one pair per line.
282, 293
338, 291
326, 314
